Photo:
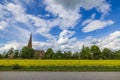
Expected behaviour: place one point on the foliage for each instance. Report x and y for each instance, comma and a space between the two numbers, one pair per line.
16, 54
116, 54
27, 53
107, 53
58, 55
85, 53
93, 52
96, 52
76, 55
49, 54
68, 55
1, 56
10, 51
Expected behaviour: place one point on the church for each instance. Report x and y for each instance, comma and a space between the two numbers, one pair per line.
38, 53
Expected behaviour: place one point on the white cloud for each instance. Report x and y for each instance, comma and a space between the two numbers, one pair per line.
66, 18
12, 44
112, 41
89, 20
18, 12
100, 5
63, 41
96, 24
42, 45
66, 33
3, 24
68, 12
42, 26
64, 37
104, 8
66, 40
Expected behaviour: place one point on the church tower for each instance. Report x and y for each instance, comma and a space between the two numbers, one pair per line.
30, 41
39, 53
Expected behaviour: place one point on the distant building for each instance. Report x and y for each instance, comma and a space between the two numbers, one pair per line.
11, 56
38, 53
30, 42
11, 53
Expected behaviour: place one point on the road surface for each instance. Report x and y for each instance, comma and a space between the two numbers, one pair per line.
59, 75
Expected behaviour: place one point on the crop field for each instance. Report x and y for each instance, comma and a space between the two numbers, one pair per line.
60, 65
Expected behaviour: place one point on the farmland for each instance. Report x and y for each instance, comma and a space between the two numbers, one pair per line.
59, 65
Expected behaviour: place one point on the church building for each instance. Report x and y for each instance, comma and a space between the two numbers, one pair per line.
38, 53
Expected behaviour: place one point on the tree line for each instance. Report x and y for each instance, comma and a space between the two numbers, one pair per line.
93, 52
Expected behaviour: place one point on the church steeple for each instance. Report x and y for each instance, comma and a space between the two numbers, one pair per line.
30, 41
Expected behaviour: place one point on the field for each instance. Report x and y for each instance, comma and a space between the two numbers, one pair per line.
59, 65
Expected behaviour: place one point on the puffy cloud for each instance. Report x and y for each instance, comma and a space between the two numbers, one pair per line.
100, 5
66, 40
104, 8
64, 37
12, 44
42, 26
67, 15
89, 20
18, 12
68, 12
3, 24
42, 45
112, 41
63, 41
66, 33
66, 18
96, 24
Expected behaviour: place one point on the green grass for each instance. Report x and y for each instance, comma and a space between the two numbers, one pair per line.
77, 69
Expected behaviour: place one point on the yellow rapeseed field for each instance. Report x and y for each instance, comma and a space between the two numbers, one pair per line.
61, 63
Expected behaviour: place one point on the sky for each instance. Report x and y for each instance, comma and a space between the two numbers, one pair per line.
64, 25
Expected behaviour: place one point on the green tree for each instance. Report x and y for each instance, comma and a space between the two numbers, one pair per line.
16, 54
10, 51
76, 55
85, 53
116, 54
95, 50
1, 56
107, 53
58, 55
49, 54
68, 55
5, 54
27, 53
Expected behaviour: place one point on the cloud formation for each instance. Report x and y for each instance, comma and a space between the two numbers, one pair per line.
67, 16
100, 5
96, 24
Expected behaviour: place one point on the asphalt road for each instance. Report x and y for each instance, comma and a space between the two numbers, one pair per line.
59, 75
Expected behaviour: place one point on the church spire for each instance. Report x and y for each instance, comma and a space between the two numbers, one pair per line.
30, 41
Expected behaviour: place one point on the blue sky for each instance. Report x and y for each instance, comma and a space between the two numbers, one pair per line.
59, 24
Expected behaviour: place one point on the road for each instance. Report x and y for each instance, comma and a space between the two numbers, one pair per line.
59, 75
